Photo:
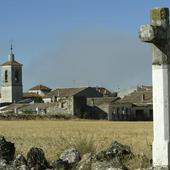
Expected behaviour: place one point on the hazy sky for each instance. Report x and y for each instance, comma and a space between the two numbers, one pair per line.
65, 43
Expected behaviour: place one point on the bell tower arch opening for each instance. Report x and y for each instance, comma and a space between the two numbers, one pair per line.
16, 76
6, 76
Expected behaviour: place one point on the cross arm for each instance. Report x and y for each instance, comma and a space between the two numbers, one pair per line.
152, 34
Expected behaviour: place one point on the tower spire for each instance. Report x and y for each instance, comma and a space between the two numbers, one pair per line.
11, 55
11, 48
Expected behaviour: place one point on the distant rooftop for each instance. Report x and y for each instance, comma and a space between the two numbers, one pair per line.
128, 91
30, 95
62, 92
138, 97
40, 87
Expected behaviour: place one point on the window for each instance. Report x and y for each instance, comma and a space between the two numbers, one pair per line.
6, 76
16, 78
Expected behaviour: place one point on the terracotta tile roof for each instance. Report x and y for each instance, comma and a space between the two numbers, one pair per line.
29, 95
13, 63
102, 100
64, 92
37, 105
140, 97
25, 106
40, 87
13, 106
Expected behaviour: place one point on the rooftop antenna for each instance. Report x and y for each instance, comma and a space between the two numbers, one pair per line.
88, 83
74, 83
39, 82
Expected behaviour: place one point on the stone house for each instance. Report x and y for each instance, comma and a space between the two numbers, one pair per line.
40, 90
100, 106
70, 100
135, 106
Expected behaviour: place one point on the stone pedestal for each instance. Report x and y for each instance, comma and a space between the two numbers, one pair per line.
161, 107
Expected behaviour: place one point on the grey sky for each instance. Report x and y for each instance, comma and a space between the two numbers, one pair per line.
93, 56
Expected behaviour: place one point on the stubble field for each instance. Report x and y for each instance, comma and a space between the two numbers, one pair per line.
55, 136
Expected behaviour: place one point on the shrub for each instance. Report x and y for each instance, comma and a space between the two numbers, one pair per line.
85, 144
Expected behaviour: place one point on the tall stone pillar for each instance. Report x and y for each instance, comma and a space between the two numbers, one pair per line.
158, 33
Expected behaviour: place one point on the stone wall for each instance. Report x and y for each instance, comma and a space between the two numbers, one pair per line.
62, 105
130, 112
111, 157
79, 105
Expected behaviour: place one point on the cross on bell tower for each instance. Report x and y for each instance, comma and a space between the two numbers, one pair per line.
11, 54
11, 79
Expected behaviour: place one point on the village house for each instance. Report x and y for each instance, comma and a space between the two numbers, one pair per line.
135, 106
70, 100
100, 106
40, 90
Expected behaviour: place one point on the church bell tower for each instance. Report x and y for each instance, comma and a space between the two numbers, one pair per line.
11, 80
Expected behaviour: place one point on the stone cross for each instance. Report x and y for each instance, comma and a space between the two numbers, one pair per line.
158, 33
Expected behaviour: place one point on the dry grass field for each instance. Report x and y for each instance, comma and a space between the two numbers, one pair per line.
54, 136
